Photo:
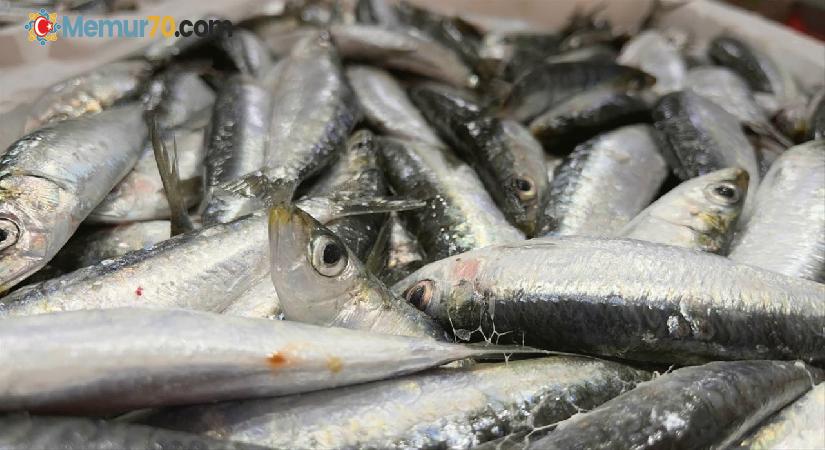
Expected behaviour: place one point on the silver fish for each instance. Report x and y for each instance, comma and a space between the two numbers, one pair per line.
24, 432
460, 215
109, 361
387, 107
700, 213
178, 96
786, 233
626, 298
798, 425
319, 280
140, 194
88, 93
236, 142
708, 406
406, 50
485, 401
403, 254
605, 182
655, 54
247, 52
110, 242
51, 179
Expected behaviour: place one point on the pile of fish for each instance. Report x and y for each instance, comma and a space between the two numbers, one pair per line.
380, 227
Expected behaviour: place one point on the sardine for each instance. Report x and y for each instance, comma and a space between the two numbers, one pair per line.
605, 183
798, 425
402, 50
486, 401
585, 115
460, 215
728, 90
786, 233
236, 145
110, 242
247, 52
51, 179
109, 361
386, 106
816, 121
88, 93
707, 406
595, 53
140, 194
700, 213
24, 432
403, 254
700, 137
652, 52
179, 96
626, 298
506, 157
546, 85
319, 280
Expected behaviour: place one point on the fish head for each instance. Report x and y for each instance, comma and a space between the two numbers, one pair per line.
526, 187
312, 270
444, 290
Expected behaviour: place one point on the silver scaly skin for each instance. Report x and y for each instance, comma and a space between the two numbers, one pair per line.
403, 254
88, 93
110, 242
108, 361
701, 213
786, 233
24, 432
707, 406
460, 215
652, 52
319, 280
625, 298
237, 141
798, 425
605, 182
179, 95
406, 50
455, 408
140, 194
51, 179
387, 107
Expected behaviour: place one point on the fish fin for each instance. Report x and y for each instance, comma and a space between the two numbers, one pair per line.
257, 185
167, 163
377, 258
355, 206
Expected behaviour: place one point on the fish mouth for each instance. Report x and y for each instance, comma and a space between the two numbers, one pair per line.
741, 179
290, 231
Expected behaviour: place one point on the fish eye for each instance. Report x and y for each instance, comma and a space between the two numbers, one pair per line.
329, 257
724, 193
525, 188
420, 294
9, 233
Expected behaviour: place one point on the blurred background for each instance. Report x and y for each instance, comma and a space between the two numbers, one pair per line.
806, 16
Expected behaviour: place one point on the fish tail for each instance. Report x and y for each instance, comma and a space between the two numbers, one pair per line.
167, 162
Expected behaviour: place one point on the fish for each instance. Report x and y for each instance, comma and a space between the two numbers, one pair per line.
551, 162
546, 85
585, 115
786, 233
700, 213
401, 50
653, 53
25, 432
386, 106
511, 53
377, 12
758, 69
140, 195
195, 357
626, 298
319, 280
236, 142
706, 406
507, 159
52, 178
596, 53
798, 425
88, 93
605, 183
487, 400
108, 242
246, 50
459, 214
403, 255
817, 116
728, 90
179, 96
699, 136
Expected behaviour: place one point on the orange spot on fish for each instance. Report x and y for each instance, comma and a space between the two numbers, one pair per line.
334, 364
465, 269
139, 291
276, 360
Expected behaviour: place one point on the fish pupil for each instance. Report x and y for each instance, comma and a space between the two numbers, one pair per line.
725, 191
416, 296
523, 185
332, 254
3, 235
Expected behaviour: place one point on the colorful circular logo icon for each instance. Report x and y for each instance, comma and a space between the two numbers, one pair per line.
42, 27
